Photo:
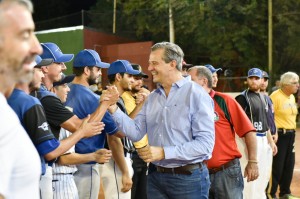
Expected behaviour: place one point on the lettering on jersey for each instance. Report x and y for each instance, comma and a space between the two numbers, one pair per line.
216, 116
44, 126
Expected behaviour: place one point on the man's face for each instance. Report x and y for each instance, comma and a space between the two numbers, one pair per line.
62, 92
195, 78
53, 71
95, 73
18, 44
264, 84
254, 83
293, 86
158, 67
126, 82
137, 84
38, 74
214, 79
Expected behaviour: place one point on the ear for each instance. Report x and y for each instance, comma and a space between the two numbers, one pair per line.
173, 64
86, 70
118, 77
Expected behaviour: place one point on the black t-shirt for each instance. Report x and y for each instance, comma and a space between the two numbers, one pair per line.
56, 113
256, 108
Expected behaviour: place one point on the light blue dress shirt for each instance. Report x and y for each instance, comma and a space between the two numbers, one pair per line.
182, 123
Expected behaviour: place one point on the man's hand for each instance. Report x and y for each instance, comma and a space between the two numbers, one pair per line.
102, 155
89, 129
126, 182
275, 137
111, 95
274, 148
251, 171
151, 153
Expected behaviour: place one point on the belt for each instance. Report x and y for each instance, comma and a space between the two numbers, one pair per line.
224, 166
185, 170
284, 131
261, 134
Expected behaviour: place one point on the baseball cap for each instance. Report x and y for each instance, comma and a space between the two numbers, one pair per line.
255, 72
186, 66
65, 79
121, 66
42, 62
139, 68
212, 69
265, 75
52, 51
88, 57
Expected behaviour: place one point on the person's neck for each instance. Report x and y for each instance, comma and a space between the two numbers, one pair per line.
22, 86
167, 84
255, 91
82, 80
7, 84
285, 91
47, 82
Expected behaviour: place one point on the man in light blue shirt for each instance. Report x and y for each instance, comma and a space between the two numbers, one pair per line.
179, 119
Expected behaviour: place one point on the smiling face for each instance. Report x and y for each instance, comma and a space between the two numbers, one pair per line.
158, 67
62, 92
18, 44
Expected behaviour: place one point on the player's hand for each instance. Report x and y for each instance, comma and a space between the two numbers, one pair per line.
151, 153
251, 172
110, 95
102, 155
89, 129
126, 182
274, 148
275, 137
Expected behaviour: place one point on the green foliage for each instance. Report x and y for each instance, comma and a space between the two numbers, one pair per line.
227, 33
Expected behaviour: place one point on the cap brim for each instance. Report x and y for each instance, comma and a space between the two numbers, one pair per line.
44, 62
143, 75
254, 76
133, 72
65, 80
65, 58
103, 65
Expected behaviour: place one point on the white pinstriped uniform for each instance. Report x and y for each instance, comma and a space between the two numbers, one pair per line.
63, 183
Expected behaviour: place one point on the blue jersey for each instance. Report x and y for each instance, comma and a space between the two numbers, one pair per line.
32, 116
83, 102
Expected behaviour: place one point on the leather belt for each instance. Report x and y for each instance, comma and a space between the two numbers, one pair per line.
185, 170
282, 131
224, 166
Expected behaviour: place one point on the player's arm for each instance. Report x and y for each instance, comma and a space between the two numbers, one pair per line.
271, 142
116, 147
251, 170
100, 156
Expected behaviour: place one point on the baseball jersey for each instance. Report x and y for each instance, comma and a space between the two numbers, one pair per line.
55, 111
32, 117
84, 102
271, 120
225, 148
285, 110
256, 108
20, 164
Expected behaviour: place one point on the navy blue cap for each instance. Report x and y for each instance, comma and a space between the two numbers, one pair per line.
265, 75
255, 72
52, 51
42, 62
88, 57
121, 66
212, 69
64, 80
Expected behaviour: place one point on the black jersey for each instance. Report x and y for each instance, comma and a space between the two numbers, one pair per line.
256, 108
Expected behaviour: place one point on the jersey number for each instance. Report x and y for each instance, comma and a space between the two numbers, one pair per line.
258, 126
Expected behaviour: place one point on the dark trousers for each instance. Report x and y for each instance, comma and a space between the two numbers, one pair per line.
139, 179
283, 165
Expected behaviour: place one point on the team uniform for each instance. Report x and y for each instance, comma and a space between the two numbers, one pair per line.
56, 114
230, 119
20, 168
83, 102
139, 179
64, 186
256, 107
111, 175
284, 161
33, 119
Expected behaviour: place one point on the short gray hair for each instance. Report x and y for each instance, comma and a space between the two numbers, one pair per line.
202, 71
172, 52
26, 3
285, 79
